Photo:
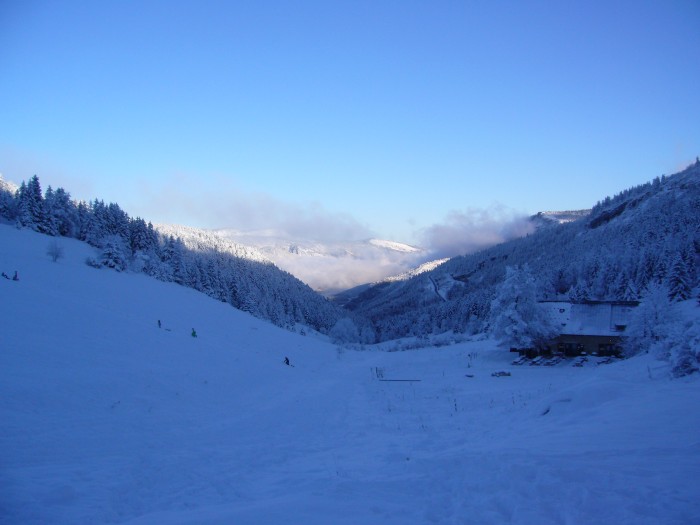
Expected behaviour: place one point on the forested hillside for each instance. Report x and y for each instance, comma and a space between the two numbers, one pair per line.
221, 269
644, 235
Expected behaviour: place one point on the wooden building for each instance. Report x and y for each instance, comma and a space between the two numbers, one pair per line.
591, 327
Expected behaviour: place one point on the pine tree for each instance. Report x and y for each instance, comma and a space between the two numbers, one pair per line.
113, 253
30, 205
64, 213
24, 217
94, 227
650, 321
173, 258
35, 204
50, 220
517, 319
138, 235
578, 293
679, 288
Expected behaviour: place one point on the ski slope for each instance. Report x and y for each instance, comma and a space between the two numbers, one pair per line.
107, 418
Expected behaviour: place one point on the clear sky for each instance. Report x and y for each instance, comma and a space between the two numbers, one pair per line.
349, 119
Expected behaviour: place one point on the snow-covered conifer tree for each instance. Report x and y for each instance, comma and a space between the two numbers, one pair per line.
30, 205
650, 321
517, 319
685, 354
679, 287
94, 227
49, 214
66, 213
113, 253
578, 293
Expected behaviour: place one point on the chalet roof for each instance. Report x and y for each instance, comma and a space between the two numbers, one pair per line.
602, 318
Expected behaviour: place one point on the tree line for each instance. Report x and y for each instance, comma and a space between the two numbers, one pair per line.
223, 271
645, 236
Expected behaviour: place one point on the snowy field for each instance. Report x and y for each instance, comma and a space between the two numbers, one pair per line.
107, 418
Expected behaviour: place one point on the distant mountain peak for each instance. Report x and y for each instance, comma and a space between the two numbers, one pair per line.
548, 218
6, 185
395, 246
202, 240
329, 266
425, 267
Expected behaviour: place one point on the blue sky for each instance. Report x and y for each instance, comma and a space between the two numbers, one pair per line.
349, 119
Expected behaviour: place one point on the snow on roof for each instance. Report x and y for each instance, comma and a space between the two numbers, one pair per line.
590, 318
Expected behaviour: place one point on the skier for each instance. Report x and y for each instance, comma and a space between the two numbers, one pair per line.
194, 334
158, 323
286, 361
16, 277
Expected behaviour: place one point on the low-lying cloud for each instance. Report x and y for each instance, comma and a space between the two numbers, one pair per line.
363, 263
233, 208
472, 230
460, 233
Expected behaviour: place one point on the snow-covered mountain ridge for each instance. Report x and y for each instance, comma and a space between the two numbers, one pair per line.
393, 245
641, 236
331, 266
204, 240
7, 186
425, 267
548, 218
230, 273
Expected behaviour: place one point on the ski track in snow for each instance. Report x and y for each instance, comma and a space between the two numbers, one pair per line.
108, 419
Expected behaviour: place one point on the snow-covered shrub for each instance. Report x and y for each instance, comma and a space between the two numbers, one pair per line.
367, 335
685, 354
113, 253
91, 261
54, 250
666, 329
650, 324
344, 331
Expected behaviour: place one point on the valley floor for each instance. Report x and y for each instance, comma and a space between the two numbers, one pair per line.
107, 418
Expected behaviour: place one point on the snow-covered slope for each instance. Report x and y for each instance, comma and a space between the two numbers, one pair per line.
109, 418
329, 267
203, 240
613, 253
425, 267
345, 298
6, 185
395, 246
551, 218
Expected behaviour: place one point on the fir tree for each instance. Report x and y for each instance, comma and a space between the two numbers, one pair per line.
50, 220
113, 253
517, 319
30, 205
650, 321
679, 288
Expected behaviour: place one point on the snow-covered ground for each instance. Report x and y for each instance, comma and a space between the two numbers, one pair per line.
107, 418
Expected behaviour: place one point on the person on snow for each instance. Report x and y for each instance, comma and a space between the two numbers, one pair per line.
286, 361
194, 334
